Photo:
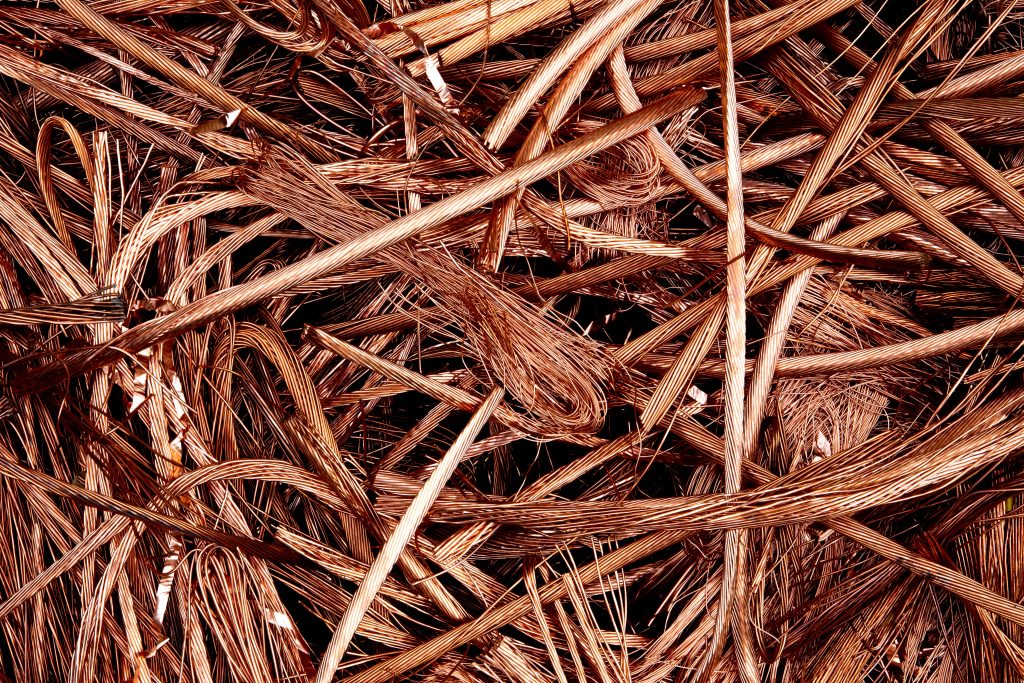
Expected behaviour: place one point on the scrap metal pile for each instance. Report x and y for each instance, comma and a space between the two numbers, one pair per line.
511, 340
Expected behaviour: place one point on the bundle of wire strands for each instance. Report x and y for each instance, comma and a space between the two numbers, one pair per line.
488, 341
